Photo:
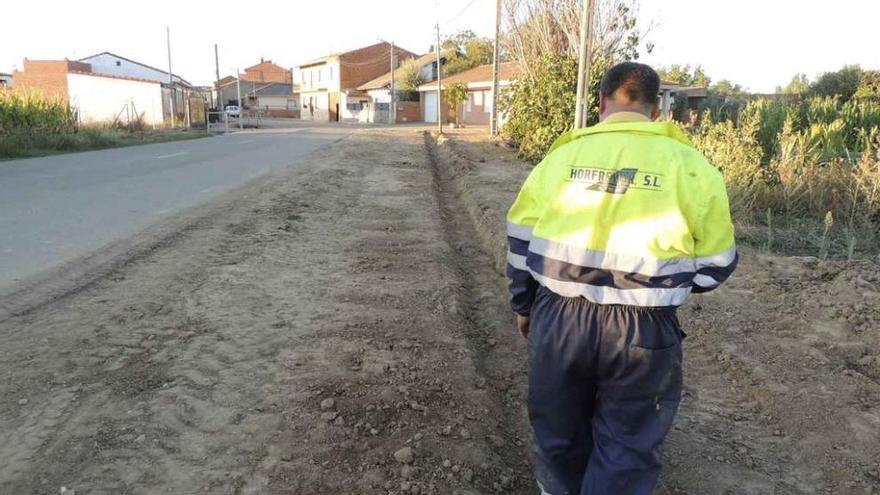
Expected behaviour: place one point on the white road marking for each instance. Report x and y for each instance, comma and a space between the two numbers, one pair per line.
172, 155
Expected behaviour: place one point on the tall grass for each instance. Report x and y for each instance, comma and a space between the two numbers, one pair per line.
33, 112
803, 177
33, 125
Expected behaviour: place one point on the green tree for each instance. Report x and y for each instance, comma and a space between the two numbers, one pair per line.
799, 84
869, 85
410, 75
725, 87
465, 50
685, 75
456, 94
843, 83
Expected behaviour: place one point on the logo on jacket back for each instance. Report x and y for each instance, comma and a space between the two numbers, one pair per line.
614, 181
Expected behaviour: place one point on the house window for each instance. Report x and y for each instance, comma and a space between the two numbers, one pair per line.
319, 74
356, 106
118, 63
488, 103
478, 98
468, 106
331, 72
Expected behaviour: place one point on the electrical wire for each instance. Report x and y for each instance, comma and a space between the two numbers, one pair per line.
460, 12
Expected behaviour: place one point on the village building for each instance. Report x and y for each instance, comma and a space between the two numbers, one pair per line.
94, 97
408, 107
329, 85
477, 109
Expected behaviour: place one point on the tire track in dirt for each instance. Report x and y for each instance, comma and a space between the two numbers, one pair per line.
500, 353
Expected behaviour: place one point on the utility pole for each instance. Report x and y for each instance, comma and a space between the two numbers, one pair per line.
493, 120
240, 107
170, 76
582, 103
439, 85
217, 103
392, 110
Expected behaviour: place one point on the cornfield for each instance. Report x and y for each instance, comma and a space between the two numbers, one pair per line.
803, 177
31, 112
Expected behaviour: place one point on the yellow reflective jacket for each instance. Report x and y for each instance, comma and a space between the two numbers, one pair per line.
624, 212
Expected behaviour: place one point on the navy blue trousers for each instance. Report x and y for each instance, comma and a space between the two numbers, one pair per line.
604, 387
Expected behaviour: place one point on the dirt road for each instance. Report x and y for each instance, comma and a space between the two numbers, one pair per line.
290, 341
342, 329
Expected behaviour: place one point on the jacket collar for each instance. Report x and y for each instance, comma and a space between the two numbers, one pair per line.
625, 122
617, 117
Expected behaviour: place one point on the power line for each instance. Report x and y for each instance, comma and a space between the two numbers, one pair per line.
460, 12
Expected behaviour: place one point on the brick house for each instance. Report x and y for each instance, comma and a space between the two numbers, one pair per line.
5, 80
267, 72
329, 85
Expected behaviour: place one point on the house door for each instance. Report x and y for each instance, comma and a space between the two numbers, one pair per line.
430, 106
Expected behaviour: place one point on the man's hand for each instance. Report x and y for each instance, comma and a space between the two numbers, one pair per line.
522, 324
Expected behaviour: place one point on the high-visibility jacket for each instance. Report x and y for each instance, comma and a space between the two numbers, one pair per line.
624, 212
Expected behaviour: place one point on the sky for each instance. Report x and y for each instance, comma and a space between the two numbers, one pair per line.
758, 44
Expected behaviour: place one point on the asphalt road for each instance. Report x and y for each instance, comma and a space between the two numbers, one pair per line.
56, 208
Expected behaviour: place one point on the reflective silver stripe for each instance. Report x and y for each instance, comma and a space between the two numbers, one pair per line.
609, 261
705, 281
519, 231
543, 491
517, 261
609, 295
722, 259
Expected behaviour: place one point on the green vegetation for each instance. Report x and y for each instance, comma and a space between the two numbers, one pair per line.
465, 50
803, 177
410, 75
540, 105
803, 171
456, 95
31, 125
685, 75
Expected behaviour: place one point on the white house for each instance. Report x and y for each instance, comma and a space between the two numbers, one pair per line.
5, 80
379, 92
116, 65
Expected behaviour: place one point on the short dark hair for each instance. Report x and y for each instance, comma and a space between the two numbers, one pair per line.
639, 83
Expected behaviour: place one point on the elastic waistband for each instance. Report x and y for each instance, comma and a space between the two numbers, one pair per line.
624, 308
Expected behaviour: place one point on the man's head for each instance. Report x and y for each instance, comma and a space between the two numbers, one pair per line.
629, 87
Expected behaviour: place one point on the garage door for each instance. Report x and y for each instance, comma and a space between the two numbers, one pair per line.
431, 106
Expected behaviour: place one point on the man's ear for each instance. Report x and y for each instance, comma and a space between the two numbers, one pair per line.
603, 103
655, 111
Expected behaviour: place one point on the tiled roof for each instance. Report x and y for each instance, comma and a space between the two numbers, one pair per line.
507, 71
320, 60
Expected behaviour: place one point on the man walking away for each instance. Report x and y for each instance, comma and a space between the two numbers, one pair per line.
609, 234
